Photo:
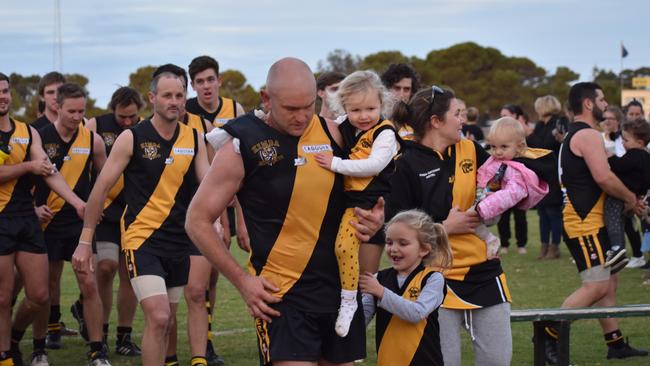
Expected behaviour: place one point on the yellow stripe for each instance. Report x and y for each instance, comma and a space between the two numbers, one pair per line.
195, 122
162, 200
114, 192
296, 241
71, 170
17, 155
401, 339
599, 248
585, 251
226, 112
504, 285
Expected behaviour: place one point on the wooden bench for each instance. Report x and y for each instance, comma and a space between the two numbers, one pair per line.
562, 318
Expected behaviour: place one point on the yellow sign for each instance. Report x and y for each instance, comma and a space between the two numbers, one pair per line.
641, 82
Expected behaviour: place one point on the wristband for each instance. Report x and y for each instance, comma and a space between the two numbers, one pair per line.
83, 242
87, 235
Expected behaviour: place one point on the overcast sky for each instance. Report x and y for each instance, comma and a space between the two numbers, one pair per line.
107, 40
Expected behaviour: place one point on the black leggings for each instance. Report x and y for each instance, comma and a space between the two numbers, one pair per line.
521, 228
633, 235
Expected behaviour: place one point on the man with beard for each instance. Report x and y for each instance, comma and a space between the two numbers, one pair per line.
586, 176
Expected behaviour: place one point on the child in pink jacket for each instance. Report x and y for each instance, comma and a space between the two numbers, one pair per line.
515, 186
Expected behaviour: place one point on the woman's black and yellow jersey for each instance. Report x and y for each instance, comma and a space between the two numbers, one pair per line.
108, 128
435, 182
15, 195
73, 159
583, 212
364, 191
196, 122
292, 208
159, 183
226, 111
398, 341
405, 132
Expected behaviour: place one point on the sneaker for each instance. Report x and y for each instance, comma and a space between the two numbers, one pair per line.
127, 348
53, 340
645, 266
98, 359
625, 351
39, 358
77, 313
522, 250
212, 357
346, 312
67, 332
613, 255
503, 250
635, 262
619, 264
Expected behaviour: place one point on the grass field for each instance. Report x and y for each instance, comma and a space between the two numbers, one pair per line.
533, 284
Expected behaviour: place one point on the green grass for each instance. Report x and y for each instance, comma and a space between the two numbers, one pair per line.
533, 284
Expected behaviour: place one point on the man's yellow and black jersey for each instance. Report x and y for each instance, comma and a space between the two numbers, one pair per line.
159, 183
15, 195
109, 130
195, 121
398, 341
73, 159
583, 210
435, 182
364, 191
41, 122
226, 111
542, 162
292, 209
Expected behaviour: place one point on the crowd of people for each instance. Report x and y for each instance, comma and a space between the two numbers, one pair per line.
156, 200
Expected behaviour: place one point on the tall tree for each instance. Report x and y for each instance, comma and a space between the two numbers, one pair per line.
140, 80
341, 61
380, 61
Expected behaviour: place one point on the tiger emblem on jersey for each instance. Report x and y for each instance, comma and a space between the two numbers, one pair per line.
51, 150
414, 292
109, 138
150, 150
466, 165
267, 151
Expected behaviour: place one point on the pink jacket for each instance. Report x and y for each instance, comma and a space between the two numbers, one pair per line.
520, 187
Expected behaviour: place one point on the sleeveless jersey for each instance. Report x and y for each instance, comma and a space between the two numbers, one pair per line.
73, 159
584, 207
398, 341
292, 208
15, 195
195, 121
364, 191
226, 111
108, 129
159, 183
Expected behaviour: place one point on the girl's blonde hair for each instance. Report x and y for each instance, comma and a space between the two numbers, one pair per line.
361, 82
507, 126
431, 236
547, 106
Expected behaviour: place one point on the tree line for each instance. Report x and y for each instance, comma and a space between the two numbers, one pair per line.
482, 76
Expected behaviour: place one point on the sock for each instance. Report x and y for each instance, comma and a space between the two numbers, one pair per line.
16, 337
54, 324
105, 329
38, 344
198, 361
171, 360
209, 309
122, 333
614, 339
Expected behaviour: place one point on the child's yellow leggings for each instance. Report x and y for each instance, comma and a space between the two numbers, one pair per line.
347, 252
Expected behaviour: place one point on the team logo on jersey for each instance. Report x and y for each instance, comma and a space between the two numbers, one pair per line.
414, 292
52, 150
267, 151
150, 150
466, 165
109, 138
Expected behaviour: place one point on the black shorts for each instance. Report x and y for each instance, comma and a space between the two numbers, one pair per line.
108, 231
194, 251
588, 251
174, 270
61, 248
21, 234
303, 336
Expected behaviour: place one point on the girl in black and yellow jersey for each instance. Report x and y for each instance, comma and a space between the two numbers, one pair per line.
372, 145
406, 297
437, 174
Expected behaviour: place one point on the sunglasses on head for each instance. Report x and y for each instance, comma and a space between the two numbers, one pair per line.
434, 90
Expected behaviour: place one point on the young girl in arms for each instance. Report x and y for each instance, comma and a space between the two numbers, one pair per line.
518, 185
406, 296
372, 144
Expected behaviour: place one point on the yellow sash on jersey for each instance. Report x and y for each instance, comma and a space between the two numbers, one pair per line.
227, 112
73, 166
18, 143
162, 199
408, 334
115, 191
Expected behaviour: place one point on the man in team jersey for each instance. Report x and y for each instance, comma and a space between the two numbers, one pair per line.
206, 81
162, 162
293, 208
124, 105
587, 178
47, 87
